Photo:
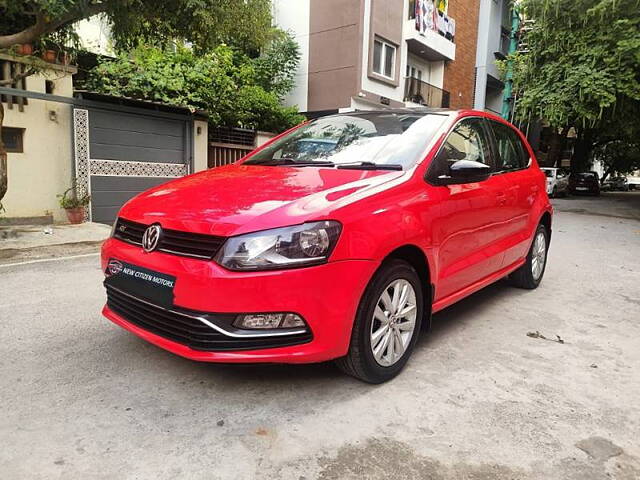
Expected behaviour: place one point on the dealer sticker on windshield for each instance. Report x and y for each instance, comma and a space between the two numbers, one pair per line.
140, 282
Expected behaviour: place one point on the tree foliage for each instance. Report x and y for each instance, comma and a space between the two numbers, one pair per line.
584, 58
618, 156
276, 67
204, 23
581, 70
235, 89
245, 24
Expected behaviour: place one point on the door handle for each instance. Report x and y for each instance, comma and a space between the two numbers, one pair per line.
501, 198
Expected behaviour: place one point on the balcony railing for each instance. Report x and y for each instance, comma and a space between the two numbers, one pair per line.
424, 93
8, 71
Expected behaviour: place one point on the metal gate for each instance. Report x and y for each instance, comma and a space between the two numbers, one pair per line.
122, 151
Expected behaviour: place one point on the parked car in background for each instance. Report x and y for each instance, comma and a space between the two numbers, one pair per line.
584, 182
615, 184
557, 181
634, 181
337, 248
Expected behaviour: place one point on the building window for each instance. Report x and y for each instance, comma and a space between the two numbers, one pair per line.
384, 58
12, 139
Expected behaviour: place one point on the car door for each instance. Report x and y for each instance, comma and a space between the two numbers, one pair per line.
465, 231
522, 185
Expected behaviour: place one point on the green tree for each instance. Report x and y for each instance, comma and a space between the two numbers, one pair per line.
618, 156
275, 68
581, 70
235, 89
245, 24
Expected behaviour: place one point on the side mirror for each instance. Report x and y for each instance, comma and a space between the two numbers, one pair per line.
465, 171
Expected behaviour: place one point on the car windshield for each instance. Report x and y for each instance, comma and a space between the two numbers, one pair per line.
548, 173
380, 138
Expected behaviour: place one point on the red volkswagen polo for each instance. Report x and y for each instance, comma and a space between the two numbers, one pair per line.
337, 240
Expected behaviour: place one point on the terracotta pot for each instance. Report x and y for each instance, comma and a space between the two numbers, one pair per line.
25, 49
49, 56
75, 215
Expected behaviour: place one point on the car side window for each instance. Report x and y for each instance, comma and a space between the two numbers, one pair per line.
512, 155
467, 141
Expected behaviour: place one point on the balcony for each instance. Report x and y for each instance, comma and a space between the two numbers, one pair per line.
424, 93
433, 37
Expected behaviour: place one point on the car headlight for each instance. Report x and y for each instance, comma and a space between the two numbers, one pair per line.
297, 246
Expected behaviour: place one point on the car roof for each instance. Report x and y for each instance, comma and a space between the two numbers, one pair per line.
423, 110
450, 112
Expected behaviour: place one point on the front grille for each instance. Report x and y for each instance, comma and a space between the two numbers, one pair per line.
180, 326
176, 242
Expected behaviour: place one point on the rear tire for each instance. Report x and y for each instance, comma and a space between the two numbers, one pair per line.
530, 274
385, 314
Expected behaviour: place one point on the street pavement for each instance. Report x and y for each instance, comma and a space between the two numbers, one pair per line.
480, 399
36, 242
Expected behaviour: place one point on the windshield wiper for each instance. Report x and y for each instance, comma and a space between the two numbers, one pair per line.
293, 163
370, 166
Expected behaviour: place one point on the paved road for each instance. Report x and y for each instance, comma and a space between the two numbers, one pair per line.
609, 204
480, 399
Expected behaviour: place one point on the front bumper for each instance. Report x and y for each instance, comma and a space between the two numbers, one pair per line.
326, 296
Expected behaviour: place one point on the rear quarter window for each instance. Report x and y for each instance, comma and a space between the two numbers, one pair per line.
511, 154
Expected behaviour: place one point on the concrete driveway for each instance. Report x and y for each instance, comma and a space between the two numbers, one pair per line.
480, 399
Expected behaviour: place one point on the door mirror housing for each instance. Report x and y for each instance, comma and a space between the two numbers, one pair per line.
465, 171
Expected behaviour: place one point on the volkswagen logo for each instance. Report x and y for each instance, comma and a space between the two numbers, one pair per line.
151, 237
114, 267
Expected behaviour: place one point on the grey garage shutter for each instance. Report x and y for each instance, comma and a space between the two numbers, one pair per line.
131, 151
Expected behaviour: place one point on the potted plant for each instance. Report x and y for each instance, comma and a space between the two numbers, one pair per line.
49, 56
25, 49
74, 205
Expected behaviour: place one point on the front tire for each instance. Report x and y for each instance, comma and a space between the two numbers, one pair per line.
530, 274
387, 324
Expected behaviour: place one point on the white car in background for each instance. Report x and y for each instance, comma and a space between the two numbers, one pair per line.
557, 181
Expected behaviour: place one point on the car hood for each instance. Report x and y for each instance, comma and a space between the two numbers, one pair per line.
243, 198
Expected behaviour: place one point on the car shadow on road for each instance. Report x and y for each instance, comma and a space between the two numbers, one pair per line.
467, 308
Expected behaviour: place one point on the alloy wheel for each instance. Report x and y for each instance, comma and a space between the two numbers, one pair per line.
394, 321
538, 255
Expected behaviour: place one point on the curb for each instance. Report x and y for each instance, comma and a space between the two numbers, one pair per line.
13, 255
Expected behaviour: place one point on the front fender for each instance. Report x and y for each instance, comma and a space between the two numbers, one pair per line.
374, 228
